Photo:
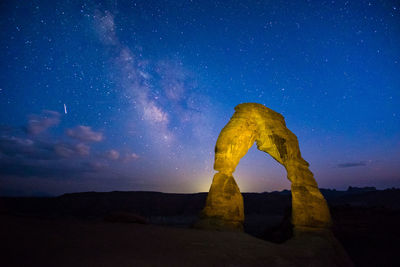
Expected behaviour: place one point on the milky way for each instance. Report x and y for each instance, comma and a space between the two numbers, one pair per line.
131, 95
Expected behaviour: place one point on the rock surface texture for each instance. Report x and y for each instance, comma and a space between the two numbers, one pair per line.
251, 123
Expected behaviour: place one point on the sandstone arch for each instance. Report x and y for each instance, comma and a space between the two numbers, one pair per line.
251, 123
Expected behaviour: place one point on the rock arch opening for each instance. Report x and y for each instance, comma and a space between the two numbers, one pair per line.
258, 173
254, 123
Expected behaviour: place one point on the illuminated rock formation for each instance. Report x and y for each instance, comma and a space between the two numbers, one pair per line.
251, 123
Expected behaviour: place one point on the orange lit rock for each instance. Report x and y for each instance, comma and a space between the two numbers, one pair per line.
224, 206
251, 123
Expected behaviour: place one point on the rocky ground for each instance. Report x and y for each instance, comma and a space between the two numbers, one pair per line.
69, 242
148, 228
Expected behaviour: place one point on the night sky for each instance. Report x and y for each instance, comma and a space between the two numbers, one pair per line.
131, 95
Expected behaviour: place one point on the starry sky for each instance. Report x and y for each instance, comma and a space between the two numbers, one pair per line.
131, 95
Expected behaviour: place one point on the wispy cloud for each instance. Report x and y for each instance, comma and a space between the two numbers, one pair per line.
113, 154
64, 150
351, 164
131, 156
25, 158
13, 147
44, 169
40, 123
85, 134
121, 157
82, 149
31, 157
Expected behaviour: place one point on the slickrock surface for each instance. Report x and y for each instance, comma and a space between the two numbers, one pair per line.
43, 242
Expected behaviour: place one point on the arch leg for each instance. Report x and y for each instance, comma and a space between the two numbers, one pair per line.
224, 205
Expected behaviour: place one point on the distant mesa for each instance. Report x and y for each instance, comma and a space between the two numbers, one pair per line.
251, 123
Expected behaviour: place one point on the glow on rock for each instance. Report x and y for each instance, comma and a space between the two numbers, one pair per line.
251, 123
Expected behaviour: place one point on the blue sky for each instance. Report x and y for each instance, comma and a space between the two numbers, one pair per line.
148, 85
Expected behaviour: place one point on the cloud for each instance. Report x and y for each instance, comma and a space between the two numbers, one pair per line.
22, 147
85, 134
40, 123
131, 156
24, 156
351, 164
44, 169
82, 149
126, 157
94, 165
63, 150
113, 154
30, 158
66, 150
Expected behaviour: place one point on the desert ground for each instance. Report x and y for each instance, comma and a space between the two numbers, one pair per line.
154, 229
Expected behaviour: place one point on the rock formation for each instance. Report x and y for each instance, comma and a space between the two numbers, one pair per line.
251, 123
